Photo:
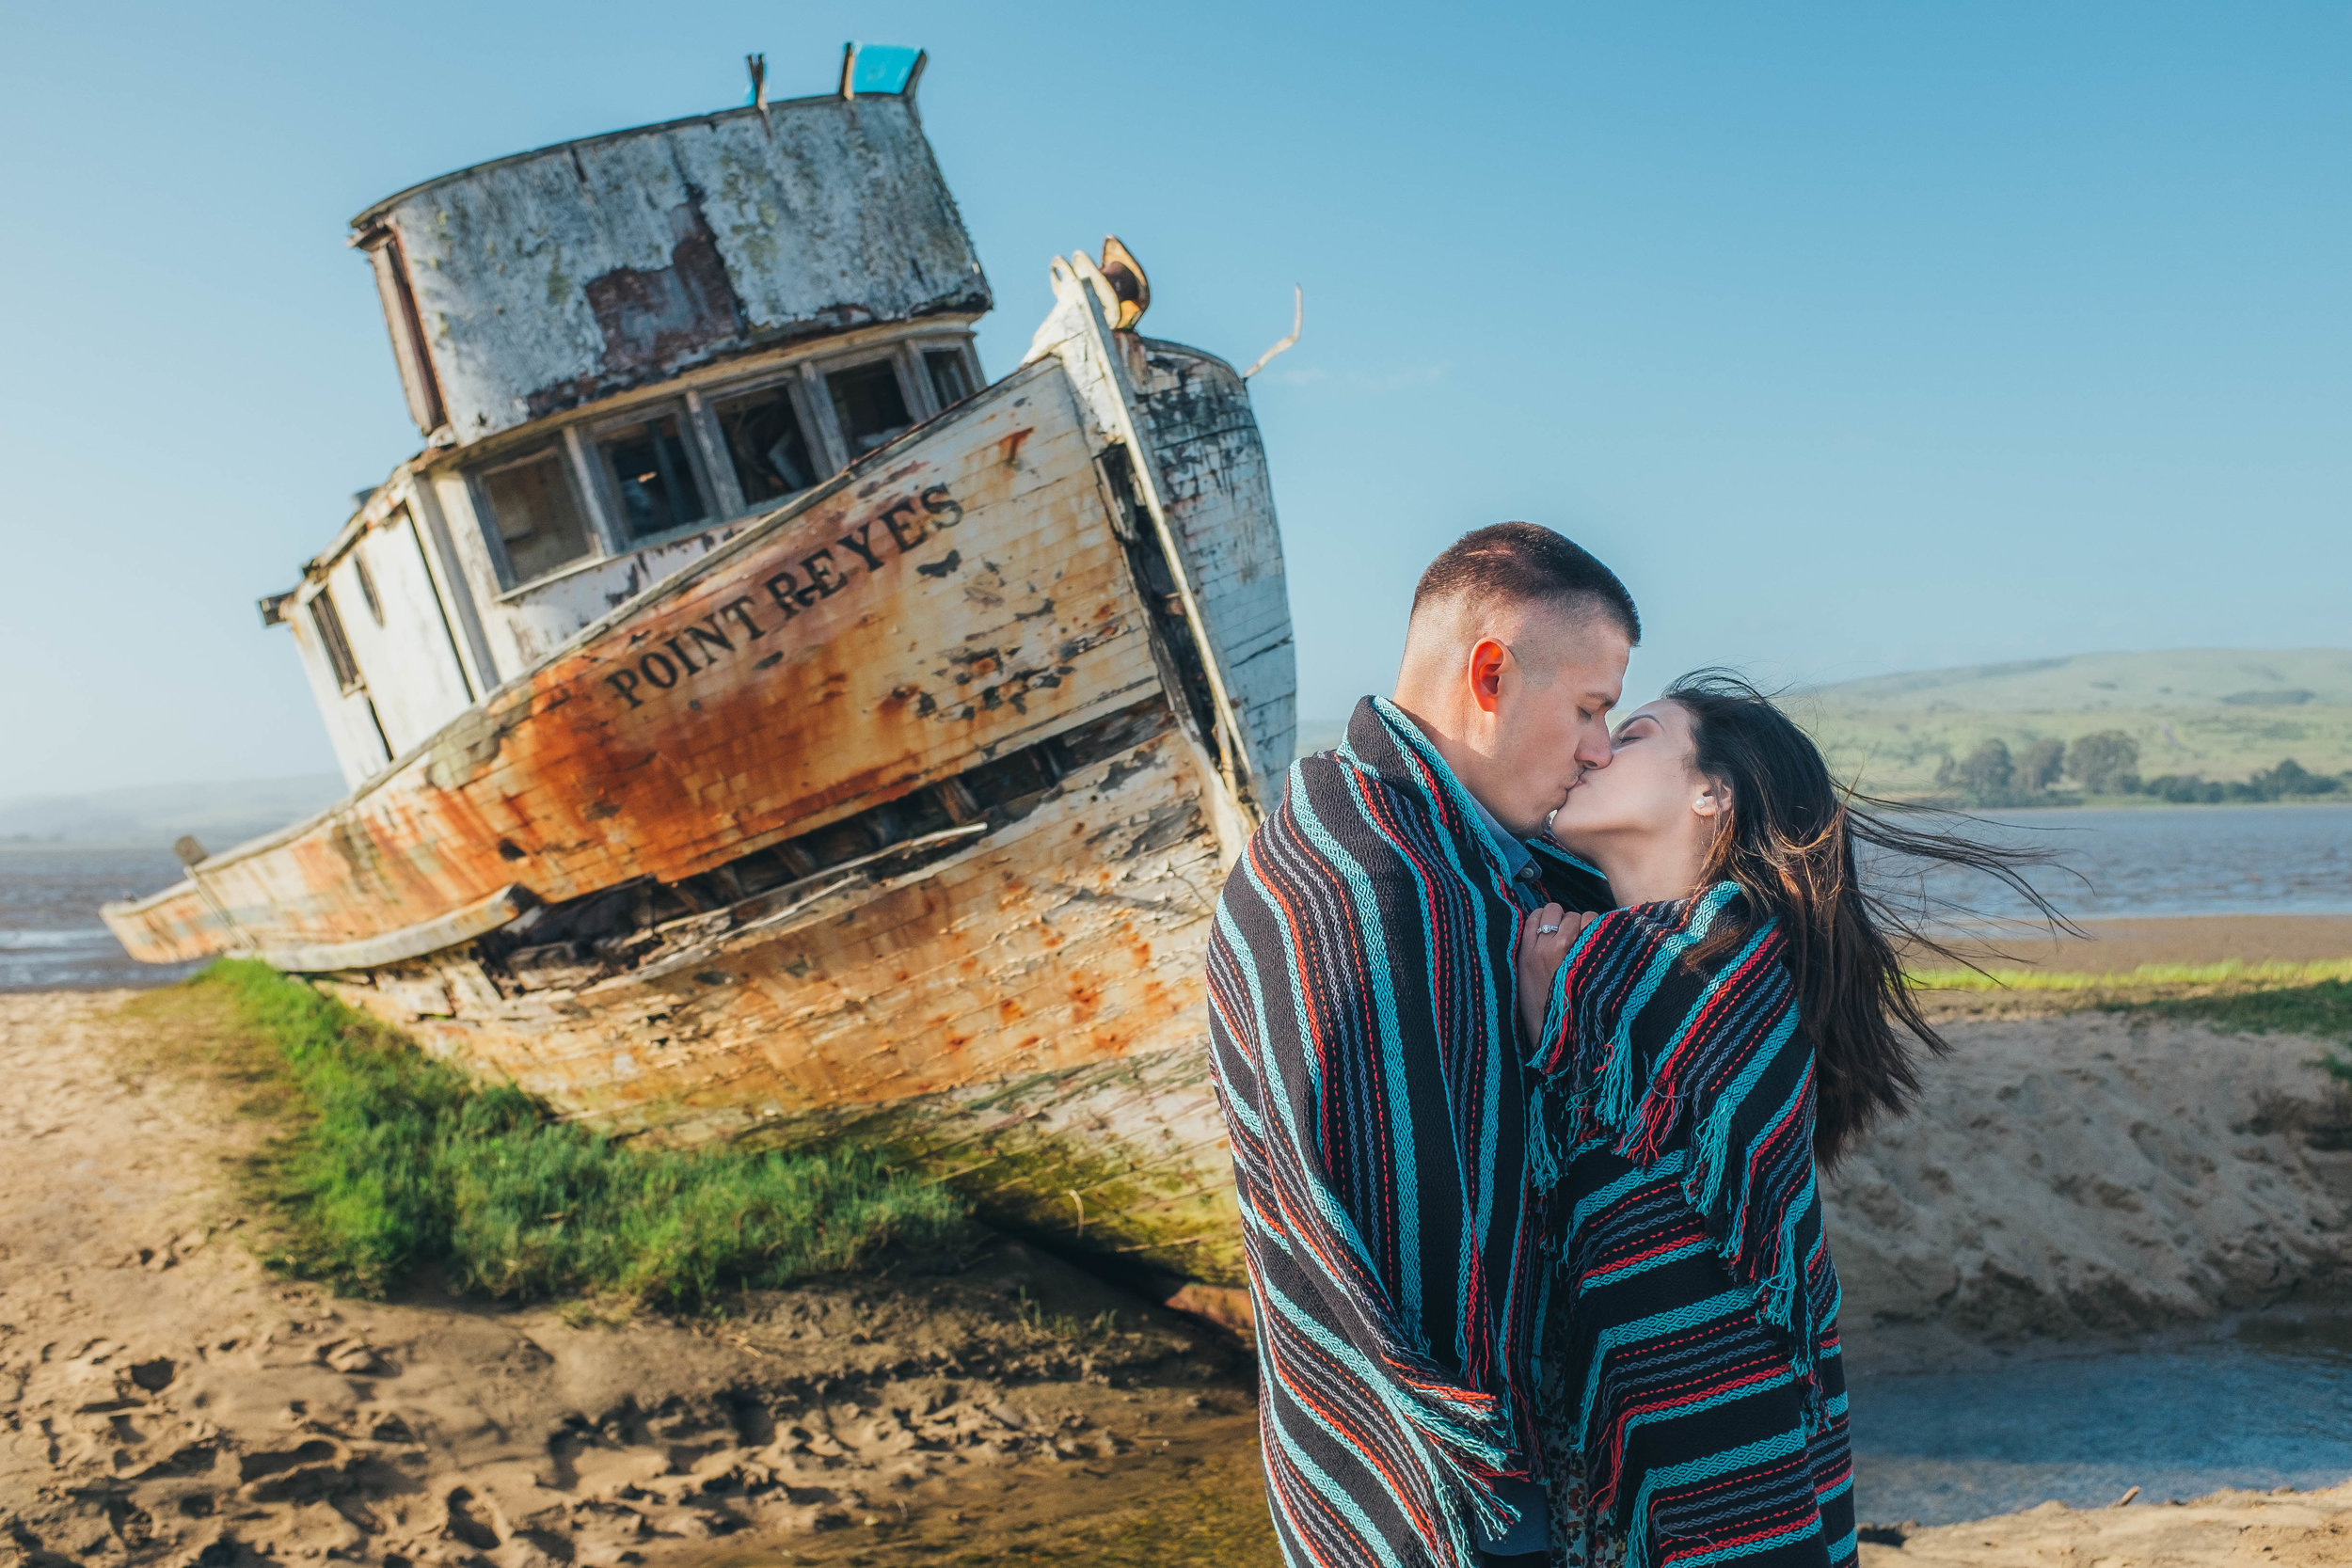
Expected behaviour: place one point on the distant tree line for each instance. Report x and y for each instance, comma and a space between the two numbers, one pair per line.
2107, 762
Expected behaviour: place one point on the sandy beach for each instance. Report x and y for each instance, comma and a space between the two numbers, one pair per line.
2306, 1529
2072, 1176
167, 1399
2120, 946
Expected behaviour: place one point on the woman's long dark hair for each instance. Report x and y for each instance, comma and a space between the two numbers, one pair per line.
1790, 843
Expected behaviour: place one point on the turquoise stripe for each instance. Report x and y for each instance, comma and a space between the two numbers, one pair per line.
1712, 1401
1670, 949
1631, 1179
1749, 1548
1646, 1328
1706, 995
1336, 1495
1617, 1098
1556, 1007
1717, 1132
1309, 1158
1498, 1056
1659, 1261
1733, 1237
1427, 1414
1778, 1447
1404, 1152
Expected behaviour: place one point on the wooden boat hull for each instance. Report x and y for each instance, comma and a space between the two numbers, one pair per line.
901, 813
1023, 1016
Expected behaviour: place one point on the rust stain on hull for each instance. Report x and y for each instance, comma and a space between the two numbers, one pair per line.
806, 670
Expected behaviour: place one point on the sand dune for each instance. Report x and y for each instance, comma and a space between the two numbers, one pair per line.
2096, 1172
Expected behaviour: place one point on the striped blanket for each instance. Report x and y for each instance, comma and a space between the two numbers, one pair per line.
1700, 1390
1368, 1057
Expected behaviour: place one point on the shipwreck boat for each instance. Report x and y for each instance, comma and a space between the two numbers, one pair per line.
759, 725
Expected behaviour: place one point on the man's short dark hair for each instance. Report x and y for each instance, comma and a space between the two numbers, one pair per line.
1524, 562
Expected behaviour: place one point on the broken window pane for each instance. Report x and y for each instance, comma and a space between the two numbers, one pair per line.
951, 379
330, 630
656, 482
537, 520
764, 442
869, 405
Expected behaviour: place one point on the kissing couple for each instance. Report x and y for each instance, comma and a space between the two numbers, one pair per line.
1531, 1036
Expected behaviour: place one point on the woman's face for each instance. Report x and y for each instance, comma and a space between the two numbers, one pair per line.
1651, 788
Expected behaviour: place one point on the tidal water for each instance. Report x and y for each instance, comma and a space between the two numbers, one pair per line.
2194, 859
2267, 1403
50, 935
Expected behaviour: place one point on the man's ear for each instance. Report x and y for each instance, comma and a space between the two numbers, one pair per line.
1486, 658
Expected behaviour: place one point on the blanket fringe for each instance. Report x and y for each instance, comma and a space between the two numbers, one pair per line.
1638, 1122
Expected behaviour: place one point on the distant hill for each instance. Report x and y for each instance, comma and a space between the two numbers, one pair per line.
2220, 713
155, 815
2092, 683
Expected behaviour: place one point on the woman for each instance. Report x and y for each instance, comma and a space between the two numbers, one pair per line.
1732, 1026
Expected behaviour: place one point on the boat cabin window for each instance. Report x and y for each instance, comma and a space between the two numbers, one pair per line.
367, 587
653, 477
329, 625
766, 444
869, 403
951, 379
534, 513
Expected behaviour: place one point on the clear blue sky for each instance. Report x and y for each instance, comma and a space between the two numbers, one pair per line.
1857, 338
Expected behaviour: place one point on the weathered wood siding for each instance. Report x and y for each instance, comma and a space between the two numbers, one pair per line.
409, 667
350, 728
952, 598
1220, 503
1209, 477
553, 279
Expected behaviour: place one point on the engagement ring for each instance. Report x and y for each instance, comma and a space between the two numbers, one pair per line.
1545, 930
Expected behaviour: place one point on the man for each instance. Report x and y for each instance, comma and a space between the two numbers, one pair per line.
1368, 1059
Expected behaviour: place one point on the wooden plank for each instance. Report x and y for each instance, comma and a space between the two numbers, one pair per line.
410, 942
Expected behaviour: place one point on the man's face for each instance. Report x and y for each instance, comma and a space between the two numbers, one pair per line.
1547, 691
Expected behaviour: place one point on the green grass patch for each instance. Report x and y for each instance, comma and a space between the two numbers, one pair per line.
2260, 976
391, 1163
2258, 999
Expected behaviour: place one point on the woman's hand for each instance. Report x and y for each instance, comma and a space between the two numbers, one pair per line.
1543, 941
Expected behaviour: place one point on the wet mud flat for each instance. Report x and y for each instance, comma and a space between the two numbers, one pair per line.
164, 1399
